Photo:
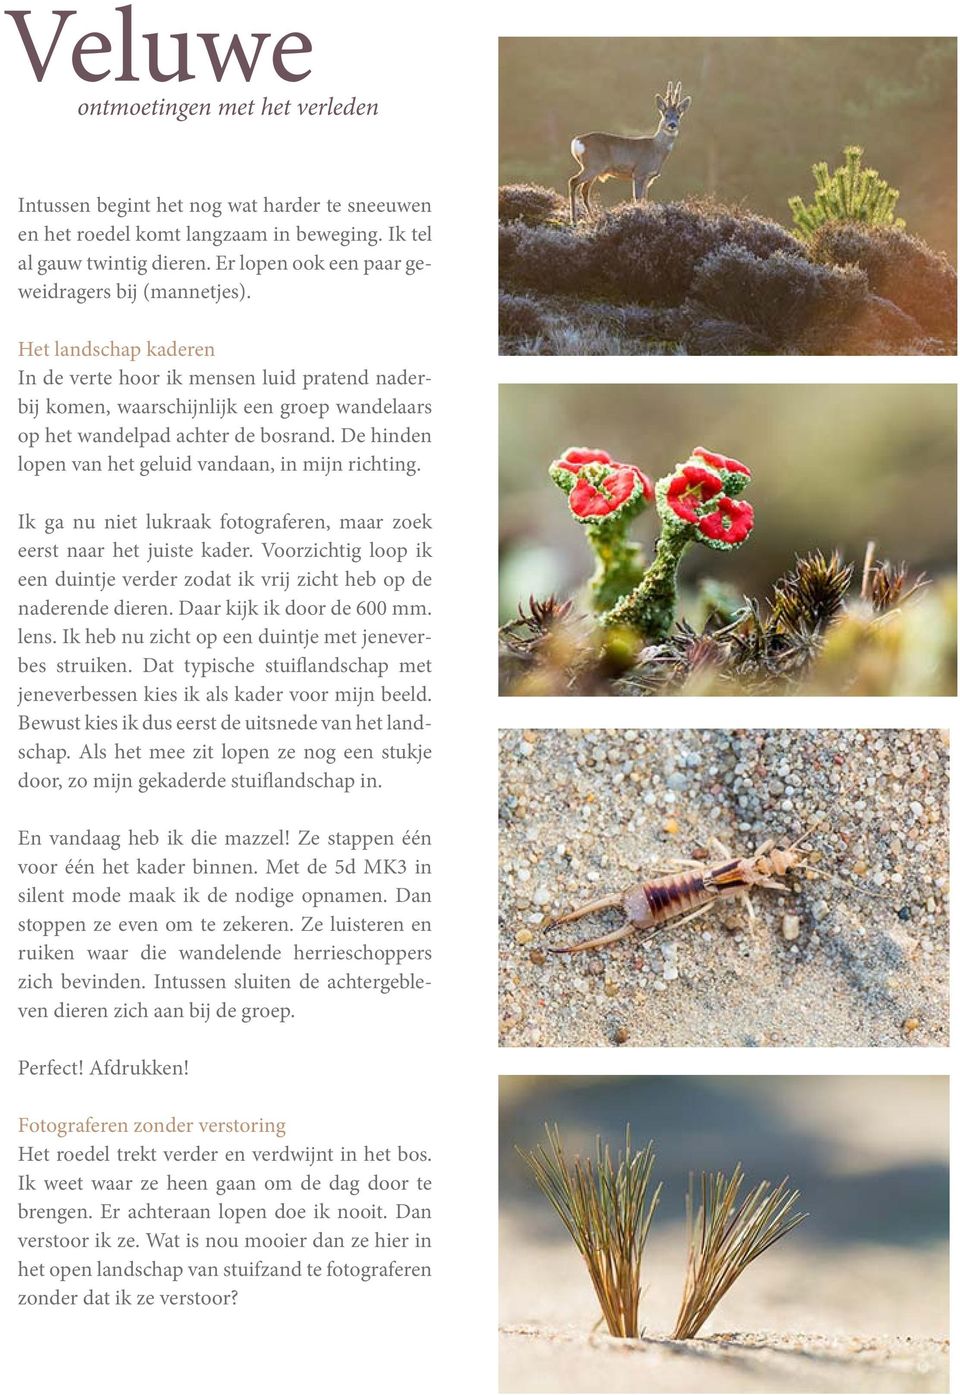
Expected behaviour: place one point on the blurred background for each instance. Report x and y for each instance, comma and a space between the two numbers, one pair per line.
763, 111
833, 466
869, 1155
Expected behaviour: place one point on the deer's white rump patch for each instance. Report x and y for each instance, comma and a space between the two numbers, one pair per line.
577, 147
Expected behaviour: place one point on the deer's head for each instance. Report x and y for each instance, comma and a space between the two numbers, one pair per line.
671, 108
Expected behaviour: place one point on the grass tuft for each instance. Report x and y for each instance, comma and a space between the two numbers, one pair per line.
607, 1208
725, 1238
812, 595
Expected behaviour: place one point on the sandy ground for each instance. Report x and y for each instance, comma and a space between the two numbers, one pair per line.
806, 1317
541, 1359
865, 963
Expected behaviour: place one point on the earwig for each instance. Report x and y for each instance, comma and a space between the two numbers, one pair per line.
678, 899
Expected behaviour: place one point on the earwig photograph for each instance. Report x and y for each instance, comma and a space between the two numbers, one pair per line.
724, 888
724, 1233
727, 196
728, 539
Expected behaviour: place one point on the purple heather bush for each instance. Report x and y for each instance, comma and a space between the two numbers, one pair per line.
531, 204
731, 282
899, 268
798, 306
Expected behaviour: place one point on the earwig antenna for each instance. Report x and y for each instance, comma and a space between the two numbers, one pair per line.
838, 881
828, 876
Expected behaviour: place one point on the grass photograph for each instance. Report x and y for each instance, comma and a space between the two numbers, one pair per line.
723, 1234
730, 888
727, 196
727, 539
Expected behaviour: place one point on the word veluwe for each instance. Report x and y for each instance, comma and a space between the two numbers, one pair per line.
90, 54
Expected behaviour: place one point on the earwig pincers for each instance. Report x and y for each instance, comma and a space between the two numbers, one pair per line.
678, 899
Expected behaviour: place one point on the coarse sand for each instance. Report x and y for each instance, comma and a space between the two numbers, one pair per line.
545, 1359
809, 1316
855, 957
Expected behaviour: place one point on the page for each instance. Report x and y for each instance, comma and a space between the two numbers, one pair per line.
285, 741
241, 792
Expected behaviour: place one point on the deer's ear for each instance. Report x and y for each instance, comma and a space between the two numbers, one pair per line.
683, 105
661, 105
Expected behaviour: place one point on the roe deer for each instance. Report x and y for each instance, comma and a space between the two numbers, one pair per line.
637, 158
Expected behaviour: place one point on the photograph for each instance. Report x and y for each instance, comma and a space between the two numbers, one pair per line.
728, 539
766, 196
723, 1233
724, 888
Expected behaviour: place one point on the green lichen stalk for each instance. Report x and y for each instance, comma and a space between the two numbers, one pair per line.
651, 607
697, 503
620, 564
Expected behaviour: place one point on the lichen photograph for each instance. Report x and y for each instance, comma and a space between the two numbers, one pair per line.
727, 539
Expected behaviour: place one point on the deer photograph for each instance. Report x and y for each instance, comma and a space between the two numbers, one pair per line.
638, 159
810, 209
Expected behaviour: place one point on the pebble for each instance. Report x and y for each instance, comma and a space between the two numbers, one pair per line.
904, 942
670, 973
523, 937
791, 927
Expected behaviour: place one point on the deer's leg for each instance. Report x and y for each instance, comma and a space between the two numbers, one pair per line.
639, 188
573, 185
585, 191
